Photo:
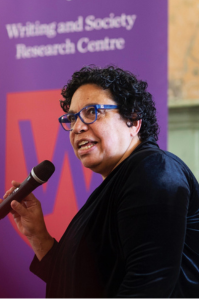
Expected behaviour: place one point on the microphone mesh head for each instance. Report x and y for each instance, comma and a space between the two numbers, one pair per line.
44, 170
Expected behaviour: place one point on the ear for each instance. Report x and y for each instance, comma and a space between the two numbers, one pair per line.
135, 128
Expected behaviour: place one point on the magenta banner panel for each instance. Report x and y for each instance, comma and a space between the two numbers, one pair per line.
42, 43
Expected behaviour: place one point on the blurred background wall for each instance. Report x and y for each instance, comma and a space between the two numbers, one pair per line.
183, 93
42, 44
143, 42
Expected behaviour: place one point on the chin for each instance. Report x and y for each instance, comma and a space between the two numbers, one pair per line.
87, 164
92, 166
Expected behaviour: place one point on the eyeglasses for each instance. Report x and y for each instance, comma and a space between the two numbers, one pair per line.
88, 115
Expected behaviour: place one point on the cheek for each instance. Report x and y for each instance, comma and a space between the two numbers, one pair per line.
109, 141
115, 140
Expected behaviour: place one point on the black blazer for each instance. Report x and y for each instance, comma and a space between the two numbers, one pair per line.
136, 236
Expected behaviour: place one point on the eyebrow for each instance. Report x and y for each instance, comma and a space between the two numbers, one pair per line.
89, 104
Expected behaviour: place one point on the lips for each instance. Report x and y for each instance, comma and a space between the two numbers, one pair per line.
85, 144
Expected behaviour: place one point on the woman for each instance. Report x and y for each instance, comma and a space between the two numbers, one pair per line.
138, 233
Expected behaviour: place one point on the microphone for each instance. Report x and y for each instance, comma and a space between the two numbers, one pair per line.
38, 176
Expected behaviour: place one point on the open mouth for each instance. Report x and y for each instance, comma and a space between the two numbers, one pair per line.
86, 144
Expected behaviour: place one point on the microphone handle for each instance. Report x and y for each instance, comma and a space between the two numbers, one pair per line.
25, 188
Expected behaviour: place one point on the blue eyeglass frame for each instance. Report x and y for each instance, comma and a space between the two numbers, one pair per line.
96, 106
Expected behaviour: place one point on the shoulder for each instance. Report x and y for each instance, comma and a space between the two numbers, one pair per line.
154, 176
156, 161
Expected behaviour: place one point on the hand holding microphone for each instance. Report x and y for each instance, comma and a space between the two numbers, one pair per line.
39, 175
26, 208
27, 214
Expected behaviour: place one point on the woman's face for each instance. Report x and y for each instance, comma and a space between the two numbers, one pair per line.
102, 145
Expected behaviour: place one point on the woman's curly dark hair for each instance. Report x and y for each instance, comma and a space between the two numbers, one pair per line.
128, 92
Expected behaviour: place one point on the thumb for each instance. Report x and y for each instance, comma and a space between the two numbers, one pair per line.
19, 208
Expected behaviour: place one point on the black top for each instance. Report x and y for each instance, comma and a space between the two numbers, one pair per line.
136, 236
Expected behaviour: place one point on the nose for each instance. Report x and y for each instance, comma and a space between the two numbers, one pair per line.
79, 126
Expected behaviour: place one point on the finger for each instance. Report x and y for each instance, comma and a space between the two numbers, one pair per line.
14, 186
29, 201
17, 219
15, 215
18, 208
13, 212
8, 192
23, 203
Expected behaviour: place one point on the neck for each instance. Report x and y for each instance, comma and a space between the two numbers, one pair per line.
134, 143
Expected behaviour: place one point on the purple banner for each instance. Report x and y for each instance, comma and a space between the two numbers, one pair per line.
42, 44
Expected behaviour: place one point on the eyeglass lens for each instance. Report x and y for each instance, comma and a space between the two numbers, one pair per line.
87, 115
